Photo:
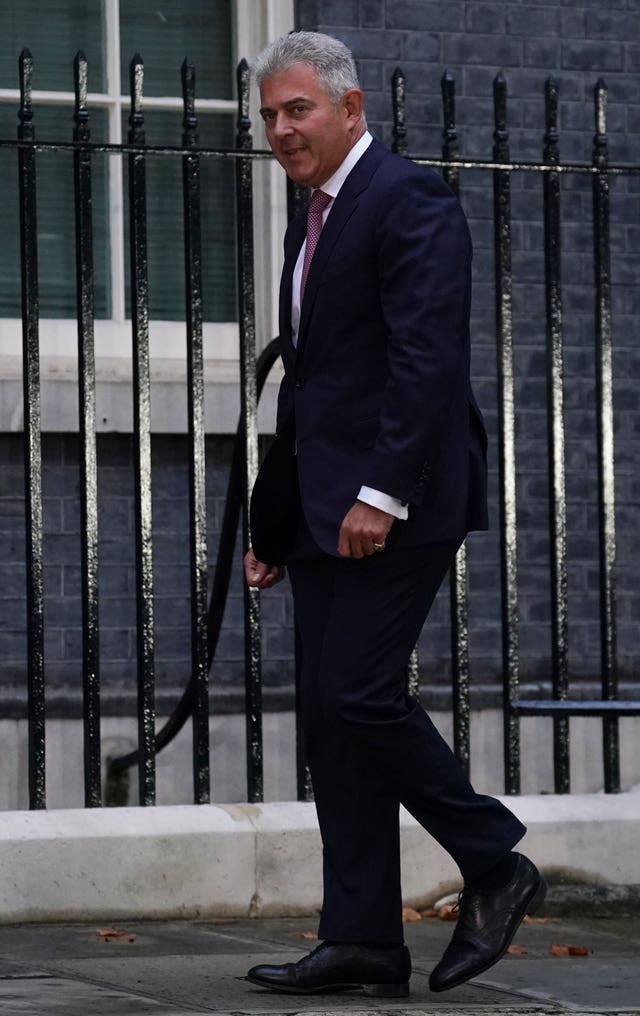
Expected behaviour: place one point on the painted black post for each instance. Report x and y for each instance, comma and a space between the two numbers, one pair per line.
557, 488
606, 475
142, 438
87, 427
458, 573
32, 438
249, 404
506, 436
196, 414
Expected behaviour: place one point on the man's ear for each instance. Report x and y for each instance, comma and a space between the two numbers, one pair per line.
353, 103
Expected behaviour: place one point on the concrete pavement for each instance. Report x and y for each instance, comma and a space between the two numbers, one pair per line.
180, 968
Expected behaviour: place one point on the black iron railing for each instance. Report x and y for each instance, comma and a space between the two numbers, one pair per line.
206, 617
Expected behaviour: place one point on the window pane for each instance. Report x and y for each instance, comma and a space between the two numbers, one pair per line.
163, 32
165, 230
53, 31
55, 217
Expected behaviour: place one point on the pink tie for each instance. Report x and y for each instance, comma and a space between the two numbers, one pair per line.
317, 204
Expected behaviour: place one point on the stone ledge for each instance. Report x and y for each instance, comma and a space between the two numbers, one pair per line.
211, 861
114, 406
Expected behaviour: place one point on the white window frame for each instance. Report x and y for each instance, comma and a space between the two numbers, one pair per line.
255, 22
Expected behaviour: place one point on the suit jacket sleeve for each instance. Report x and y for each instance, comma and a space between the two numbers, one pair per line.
424, 268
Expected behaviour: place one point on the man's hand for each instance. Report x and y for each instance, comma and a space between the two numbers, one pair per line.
259, 575
364, 530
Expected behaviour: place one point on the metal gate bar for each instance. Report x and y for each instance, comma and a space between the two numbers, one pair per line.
249, 415
88, 451
142, 439
506, 437
555, 411
196, 425
32, 438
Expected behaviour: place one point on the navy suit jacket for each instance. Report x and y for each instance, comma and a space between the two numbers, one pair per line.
377, 391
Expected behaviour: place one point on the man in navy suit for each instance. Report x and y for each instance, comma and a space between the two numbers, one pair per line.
377, 472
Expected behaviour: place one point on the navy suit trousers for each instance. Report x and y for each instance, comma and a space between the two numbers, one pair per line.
370, 745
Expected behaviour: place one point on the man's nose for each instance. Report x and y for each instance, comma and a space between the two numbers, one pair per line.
282, 126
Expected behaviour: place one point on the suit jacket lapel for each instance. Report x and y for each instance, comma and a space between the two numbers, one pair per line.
341, 211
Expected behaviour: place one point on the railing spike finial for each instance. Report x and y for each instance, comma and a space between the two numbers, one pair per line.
81, 88
551, 138
190, 120
449, 133
243, 76
136, 86
500, 133
448, 86
25, 113
399, 130
600, 141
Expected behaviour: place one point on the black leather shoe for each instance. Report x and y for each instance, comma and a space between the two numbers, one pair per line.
486, 925
340, 966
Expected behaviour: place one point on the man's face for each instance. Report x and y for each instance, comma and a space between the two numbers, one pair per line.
308, 134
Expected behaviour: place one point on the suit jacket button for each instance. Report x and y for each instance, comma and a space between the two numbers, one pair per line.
300, 382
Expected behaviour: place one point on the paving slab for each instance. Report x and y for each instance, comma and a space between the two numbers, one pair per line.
175, 968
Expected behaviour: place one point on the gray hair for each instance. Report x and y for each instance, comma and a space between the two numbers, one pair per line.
330, 58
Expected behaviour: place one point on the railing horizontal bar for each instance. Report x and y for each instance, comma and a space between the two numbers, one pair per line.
568, 707
615, 169
111, 148
104, 100
532, 167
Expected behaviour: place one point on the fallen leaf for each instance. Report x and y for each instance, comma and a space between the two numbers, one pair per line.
449, 898
114, 935
311, 935
409, 915
448, 912
568, 950
517, 950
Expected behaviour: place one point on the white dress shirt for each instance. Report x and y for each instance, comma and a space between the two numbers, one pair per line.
377, 498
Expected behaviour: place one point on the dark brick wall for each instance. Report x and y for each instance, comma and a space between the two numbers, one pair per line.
63, 611
575, 43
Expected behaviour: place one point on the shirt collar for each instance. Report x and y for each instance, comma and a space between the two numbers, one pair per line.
335, 182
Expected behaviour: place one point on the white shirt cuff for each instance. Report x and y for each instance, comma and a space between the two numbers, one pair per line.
384, 502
